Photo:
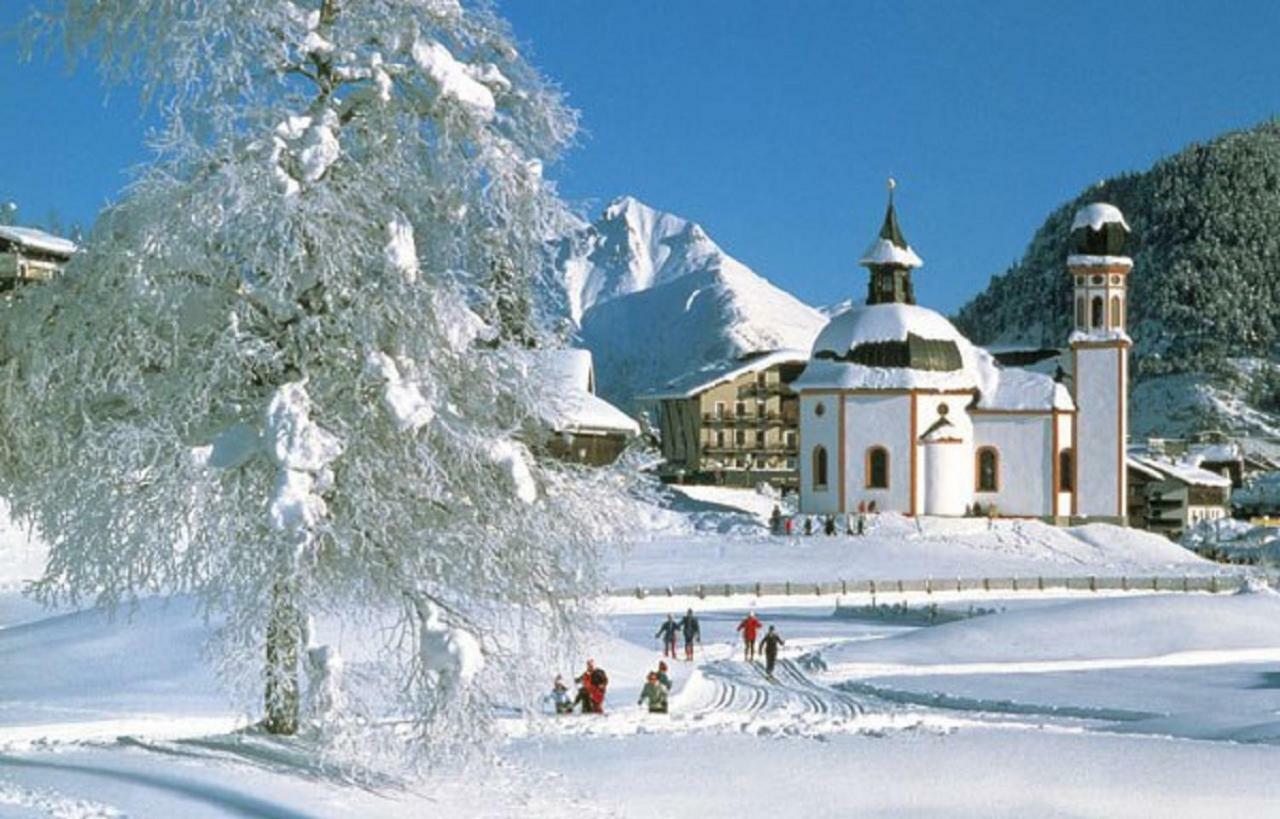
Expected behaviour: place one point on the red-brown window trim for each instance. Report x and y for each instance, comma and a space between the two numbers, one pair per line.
869, 473
995, 469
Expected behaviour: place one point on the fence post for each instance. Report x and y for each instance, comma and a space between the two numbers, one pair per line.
1155, 583
757, 588
1186, 584
1040, 582
1093, 582
899, 587
702, 593
928, 585
1124, 583
639, 592
844, 586
873, 588
958, 589
788, 588
1015, 583
670, 592
727, 591
817, 589
986, 584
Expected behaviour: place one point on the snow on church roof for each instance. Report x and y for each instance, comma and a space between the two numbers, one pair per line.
1096, 215
32, 239
883, 251
998, 388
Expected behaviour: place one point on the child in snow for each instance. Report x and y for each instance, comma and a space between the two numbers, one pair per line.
560, 696
667, 631
593, 683
663, 678
655, 693
749, 626
769, 644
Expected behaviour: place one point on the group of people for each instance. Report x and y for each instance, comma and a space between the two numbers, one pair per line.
768, 645
592, 685
672, 629
854, 524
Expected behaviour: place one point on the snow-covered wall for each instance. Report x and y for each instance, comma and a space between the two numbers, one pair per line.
1102, 425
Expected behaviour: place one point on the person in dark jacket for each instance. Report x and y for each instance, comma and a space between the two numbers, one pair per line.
808, 525
668, 631
692, 633
775, 521
829, 526
769, 645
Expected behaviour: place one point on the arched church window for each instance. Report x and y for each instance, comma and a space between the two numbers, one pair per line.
1097, 316
988, 469
819, 467
1080, 315
877, 468
1115, 312
1066, 475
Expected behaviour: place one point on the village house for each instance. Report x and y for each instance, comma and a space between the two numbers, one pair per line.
1169, 495
583, 427
734, 422
27, 255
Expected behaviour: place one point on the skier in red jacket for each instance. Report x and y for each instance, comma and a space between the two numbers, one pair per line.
749, 626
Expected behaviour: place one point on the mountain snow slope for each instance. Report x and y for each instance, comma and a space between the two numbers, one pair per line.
654, 297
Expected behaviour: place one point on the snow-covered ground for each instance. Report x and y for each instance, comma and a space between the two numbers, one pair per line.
1055, 703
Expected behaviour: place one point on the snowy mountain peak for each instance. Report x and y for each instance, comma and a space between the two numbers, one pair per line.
654, 297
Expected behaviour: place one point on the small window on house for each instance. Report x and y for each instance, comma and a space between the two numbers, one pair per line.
762, 377
819, 467
877, 468
719, 409
988, 470
1066, 475
1115, 312
740, 438
720, 439
759, 438
1097, 316
740, 409
791, 439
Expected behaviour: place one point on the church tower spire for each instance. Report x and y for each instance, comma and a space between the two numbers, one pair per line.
890, 260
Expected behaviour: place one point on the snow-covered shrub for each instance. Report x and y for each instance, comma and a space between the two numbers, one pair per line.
277, 377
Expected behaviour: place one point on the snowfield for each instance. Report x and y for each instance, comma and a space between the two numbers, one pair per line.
1055, 703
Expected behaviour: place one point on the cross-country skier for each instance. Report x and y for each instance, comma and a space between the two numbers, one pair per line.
668, 631
769, 645
749, 627
692, 633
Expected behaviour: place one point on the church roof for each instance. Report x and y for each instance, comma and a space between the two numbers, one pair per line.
890, 246
904, 346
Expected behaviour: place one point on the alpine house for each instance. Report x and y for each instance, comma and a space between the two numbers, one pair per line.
898, 408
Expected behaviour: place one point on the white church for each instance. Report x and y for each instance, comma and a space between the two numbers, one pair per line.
899, 408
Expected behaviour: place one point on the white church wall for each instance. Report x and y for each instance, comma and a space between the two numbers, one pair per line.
819, 430
1066, 440
1023, 443
882, 419
1101, 428
947, 477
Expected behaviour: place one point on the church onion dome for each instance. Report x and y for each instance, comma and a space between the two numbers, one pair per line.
890, 248
908, 347
1098, 236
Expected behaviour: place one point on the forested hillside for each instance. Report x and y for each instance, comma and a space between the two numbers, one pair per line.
1206, 251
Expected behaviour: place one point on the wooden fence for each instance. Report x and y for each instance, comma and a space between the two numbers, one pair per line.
1185, 583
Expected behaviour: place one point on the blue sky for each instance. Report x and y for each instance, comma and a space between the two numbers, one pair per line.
775, 124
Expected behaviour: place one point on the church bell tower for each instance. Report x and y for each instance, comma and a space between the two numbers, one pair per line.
1100, 346
890, 260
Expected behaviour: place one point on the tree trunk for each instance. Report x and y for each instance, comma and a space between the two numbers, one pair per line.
283, 638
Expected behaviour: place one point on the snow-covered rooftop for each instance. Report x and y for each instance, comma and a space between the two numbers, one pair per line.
571, 405
38, 240
1088, 260
720, 372
998, 387
1185, 471
1096, 215
883, 251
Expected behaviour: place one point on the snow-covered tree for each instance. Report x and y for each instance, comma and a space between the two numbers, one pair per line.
285, 375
